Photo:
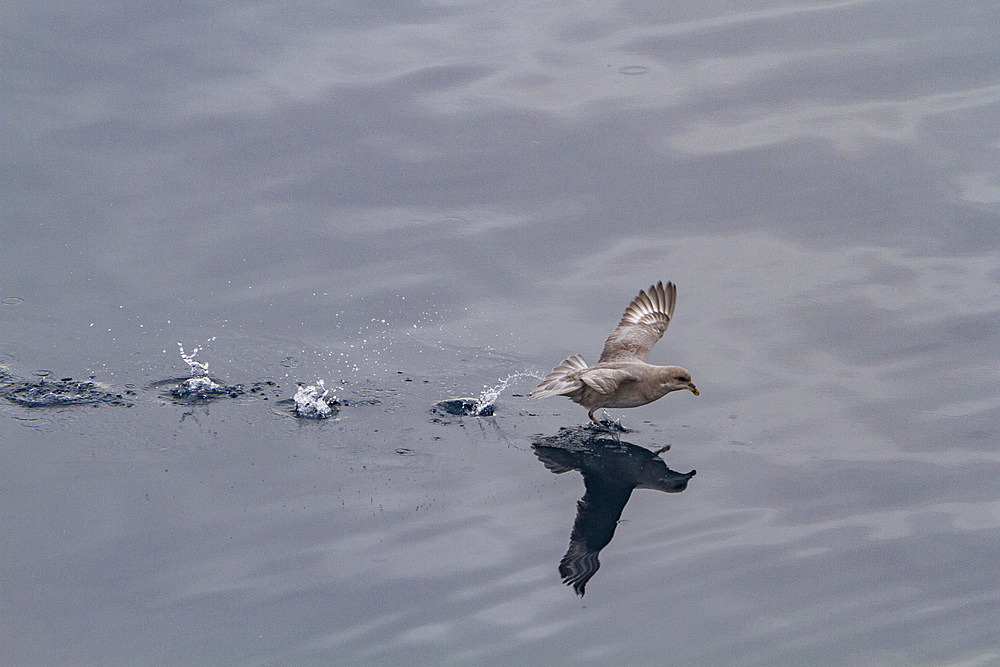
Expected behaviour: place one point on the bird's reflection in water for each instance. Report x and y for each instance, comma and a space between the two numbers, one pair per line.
611, 469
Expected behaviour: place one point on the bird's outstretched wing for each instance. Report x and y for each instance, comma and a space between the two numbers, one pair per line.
643, 323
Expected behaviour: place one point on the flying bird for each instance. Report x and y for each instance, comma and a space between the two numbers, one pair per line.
622, 378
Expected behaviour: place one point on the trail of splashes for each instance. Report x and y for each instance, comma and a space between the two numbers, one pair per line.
489, 395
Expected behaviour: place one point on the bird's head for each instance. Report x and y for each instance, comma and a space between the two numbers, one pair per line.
673, 378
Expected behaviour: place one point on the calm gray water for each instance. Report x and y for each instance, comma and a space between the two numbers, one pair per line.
412, 201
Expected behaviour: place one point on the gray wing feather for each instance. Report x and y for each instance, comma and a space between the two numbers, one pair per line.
643, 323
605, 380
561, 380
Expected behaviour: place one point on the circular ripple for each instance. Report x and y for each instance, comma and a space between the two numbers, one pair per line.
31, 422
633, 70
11, 301
284, 408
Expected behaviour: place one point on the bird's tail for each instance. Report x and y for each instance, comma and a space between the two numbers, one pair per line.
559, 381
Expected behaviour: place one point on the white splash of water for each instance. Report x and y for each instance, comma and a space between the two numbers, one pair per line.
198, 368
199, 382
489, 395
310, 403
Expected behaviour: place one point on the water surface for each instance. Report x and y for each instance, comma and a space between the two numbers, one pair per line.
413, 201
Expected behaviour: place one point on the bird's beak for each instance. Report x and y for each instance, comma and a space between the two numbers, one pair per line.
694, 390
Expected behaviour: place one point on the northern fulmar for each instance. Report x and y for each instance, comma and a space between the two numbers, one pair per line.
621, 378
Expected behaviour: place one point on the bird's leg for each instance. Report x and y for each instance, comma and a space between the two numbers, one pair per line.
661, 450
601, 426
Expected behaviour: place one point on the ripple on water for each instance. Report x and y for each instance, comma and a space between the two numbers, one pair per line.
633, 70
31, 422
57, 393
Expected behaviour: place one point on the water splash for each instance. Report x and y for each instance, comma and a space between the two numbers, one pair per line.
200, 387
312, 404
198, 368
488, 398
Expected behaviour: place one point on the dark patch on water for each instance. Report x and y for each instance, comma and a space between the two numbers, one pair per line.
462, 407
203, 389
63, 392
197, 390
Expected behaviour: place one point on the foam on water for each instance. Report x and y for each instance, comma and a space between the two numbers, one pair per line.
201, 384
311, 402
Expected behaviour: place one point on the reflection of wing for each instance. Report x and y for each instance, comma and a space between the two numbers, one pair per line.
597, 515
643, 323
611, 469
557, 459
